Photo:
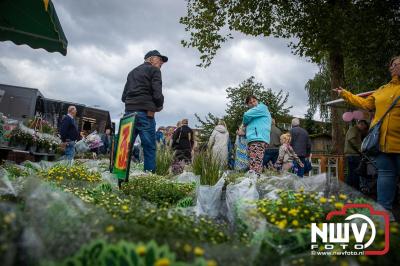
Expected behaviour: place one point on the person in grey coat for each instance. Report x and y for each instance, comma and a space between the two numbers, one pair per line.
301, 144
272, 152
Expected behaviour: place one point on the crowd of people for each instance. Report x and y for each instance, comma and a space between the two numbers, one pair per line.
259, 142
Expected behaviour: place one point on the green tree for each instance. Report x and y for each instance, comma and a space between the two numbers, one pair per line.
309, 124
337, 30
207, 126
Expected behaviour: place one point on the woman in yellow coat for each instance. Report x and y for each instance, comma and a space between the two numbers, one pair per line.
388, 160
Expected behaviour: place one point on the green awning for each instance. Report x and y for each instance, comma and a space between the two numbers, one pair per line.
32, 22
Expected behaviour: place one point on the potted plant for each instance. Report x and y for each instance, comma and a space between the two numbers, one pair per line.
21, 139
33, 144
43, 145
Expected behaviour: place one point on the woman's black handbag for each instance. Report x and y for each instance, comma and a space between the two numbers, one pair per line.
370, 144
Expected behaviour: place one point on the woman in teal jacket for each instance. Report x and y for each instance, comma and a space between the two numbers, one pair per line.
257, 121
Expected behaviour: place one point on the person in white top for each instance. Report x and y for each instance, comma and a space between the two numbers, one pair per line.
218, 142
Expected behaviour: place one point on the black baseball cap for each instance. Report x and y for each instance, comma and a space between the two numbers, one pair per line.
156, 53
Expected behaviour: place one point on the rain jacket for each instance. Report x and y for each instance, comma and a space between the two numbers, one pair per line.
143, 89
258, 124
380, 101
218, 143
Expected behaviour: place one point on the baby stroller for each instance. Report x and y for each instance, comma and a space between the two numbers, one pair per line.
368, 174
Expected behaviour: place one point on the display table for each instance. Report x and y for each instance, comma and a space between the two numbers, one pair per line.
19, 156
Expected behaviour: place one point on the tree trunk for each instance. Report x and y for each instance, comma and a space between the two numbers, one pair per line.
336, 65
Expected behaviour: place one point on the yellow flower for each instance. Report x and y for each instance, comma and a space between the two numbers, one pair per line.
282, 224
162, 262
394, 230
338, 205
284, 209
187, 248
125, 207
198, 251
342, 196
9, 218
295, 223
323, 200
110, 229
293, 212
141, 250
306, 211
211, 263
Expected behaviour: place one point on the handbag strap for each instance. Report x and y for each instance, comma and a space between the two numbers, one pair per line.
390, 108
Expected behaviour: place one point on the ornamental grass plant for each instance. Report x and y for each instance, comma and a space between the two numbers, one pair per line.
164, 159
207, 167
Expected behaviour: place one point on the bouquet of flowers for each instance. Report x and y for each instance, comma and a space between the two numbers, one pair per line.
93, 140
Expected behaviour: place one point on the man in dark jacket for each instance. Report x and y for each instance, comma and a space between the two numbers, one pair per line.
107, 141
69, 132
272, 151
182, 142
301, 144
143, 96
352, 152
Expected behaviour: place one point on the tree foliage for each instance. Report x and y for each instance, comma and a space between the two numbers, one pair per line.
356, 31
207, 125
352, 27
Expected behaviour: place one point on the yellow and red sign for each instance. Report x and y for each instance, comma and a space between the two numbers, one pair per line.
124, 147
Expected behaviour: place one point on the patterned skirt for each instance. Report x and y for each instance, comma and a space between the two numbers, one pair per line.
256, 155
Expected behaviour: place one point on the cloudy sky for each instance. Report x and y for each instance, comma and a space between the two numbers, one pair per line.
106, 39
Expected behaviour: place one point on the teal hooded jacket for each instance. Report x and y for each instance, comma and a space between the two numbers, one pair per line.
258, 123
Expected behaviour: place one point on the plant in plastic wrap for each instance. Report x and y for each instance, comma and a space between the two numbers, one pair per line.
245, 190
93, 140
209, 199
207, 167
290, 216
81, 147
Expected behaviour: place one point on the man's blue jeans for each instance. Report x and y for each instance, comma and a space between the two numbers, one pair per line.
70, 150
145, 127
388, 165
300, 170
352, 178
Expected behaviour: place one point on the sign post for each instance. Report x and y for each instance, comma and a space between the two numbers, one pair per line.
123, 150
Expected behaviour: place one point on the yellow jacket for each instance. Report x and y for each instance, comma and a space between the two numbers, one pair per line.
380, 101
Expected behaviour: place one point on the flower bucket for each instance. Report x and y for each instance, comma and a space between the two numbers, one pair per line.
33, 148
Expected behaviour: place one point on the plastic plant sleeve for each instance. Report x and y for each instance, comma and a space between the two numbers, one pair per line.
245, 190
209, 199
